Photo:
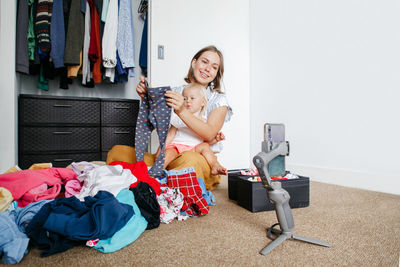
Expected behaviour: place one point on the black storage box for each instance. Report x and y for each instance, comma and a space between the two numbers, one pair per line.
253, 195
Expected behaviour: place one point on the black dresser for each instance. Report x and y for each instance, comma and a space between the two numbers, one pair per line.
62, 130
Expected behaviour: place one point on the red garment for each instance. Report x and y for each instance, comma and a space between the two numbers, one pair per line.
93, 55
187, 183
139, 170
278, 178
21, 183
95, 46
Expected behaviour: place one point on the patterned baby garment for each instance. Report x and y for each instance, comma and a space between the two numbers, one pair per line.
154, 113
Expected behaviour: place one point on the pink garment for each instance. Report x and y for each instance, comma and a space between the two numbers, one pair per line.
38, 189
180, 148
20, 183
72, 188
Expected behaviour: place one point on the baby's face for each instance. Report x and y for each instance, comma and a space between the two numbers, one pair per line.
193, 99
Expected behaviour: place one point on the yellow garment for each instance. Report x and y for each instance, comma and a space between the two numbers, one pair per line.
5, 199
184, 160
39, 166
13, 169
72, 71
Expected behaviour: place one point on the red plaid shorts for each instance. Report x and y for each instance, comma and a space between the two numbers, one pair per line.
186, 181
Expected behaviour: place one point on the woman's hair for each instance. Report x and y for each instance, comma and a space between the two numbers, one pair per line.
217, 81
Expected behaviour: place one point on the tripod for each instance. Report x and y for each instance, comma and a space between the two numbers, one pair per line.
280, 198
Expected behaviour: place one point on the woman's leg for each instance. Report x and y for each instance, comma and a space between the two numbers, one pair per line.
205, 150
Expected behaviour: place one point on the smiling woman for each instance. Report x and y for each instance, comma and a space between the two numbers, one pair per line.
206, 70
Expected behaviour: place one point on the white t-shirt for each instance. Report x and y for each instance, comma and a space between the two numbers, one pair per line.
184, 135
214, 100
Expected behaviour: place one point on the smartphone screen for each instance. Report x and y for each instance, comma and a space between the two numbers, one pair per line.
275, 134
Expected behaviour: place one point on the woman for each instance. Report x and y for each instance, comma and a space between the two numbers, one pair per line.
207, 69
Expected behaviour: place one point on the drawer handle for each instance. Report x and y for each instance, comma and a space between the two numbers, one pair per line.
122, 132
60, 160
62, 106
122, 107
62, 132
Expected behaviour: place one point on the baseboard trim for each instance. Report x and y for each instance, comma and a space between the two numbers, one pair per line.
386, 183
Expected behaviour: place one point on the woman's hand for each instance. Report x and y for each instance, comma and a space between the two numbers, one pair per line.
141, 88
175, 100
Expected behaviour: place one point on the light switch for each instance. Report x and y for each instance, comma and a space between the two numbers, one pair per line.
160, 52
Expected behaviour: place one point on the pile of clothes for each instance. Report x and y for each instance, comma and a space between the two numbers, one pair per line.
106, 207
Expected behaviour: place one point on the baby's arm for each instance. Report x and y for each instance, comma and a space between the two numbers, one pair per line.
219, 137
171, 135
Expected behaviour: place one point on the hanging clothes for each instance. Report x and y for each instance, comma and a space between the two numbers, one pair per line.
143, 49
75, 32
57, 34
109, 42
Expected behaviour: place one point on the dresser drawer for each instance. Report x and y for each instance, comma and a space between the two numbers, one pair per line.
58, 160
119, 113
59, 139
45, 111
111, 136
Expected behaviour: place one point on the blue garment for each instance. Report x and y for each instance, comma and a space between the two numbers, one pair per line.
13, 240
83, 6
12, 206
13, 243
98, 217
76, 222
57, 34
121, 75
23, 216
163, 179
143, 47
130, 232
125, 37
208, 196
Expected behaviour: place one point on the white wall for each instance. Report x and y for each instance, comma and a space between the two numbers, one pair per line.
186, 26
330, 71
8, 96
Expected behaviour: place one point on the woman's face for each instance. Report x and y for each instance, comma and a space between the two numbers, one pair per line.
206, 67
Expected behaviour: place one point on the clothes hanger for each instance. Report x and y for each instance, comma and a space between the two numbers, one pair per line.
143, 6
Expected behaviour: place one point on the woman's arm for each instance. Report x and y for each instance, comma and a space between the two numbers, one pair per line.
206, 130
141, 87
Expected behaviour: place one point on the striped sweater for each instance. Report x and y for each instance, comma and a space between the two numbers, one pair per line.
42, 24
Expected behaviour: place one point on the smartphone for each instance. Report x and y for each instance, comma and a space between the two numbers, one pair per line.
274, 134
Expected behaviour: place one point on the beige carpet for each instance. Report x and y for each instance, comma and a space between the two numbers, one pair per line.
362, 226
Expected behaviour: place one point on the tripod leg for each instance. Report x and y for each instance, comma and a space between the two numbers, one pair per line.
274, 244
311, 240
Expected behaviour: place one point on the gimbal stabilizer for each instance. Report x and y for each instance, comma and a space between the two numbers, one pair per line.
279, 197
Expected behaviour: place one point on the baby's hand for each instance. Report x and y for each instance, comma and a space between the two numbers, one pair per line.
220, 136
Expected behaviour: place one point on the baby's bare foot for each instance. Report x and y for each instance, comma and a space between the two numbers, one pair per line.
218, 169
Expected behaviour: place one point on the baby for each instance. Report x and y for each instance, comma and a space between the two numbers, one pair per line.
180, 138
